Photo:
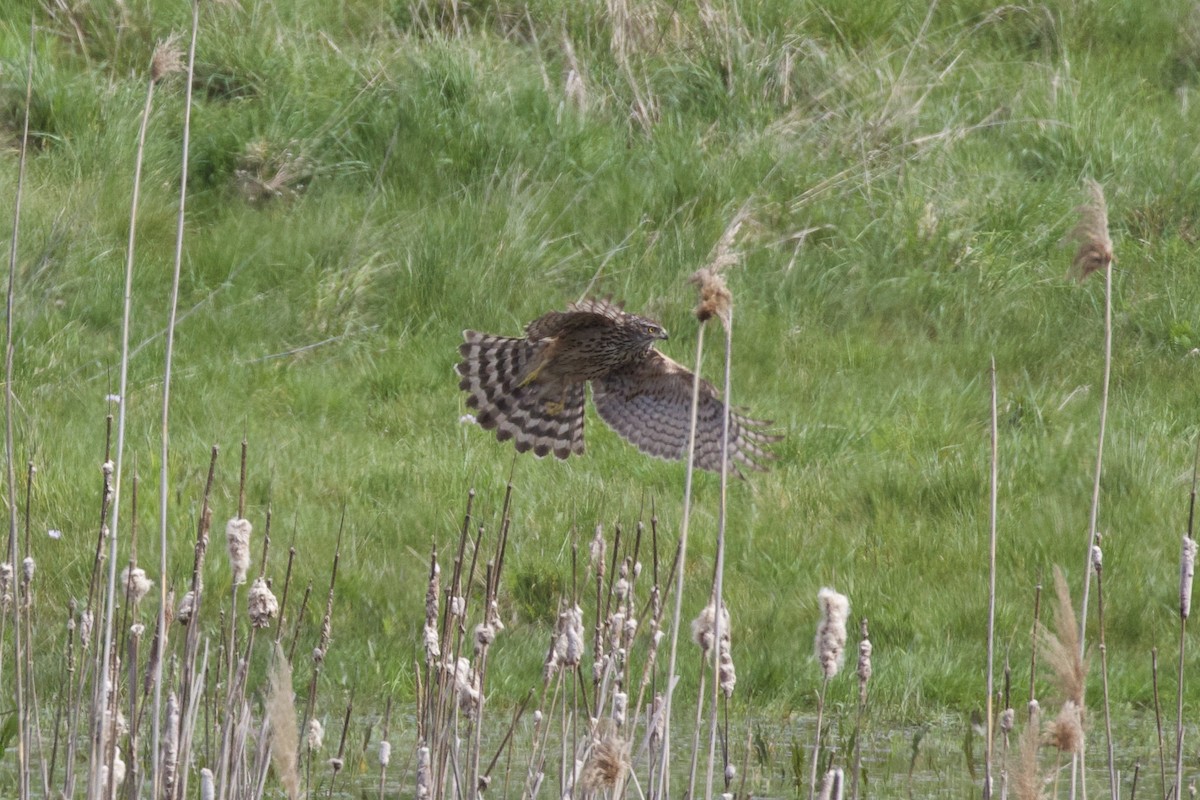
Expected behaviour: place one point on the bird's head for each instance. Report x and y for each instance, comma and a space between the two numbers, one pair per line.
648, 330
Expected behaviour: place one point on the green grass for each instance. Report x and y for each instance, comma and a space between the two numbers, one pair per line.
454, 183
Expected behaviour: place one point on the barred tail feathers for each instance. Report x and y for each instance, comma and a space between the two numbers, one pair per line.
545, 418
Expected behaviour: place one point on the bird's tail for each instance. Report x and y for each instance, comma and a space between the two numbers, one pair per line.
542, 417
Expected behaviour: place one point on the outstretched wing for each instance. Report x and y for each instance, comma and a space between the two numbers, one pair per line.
649, 403
537, 417
584, 314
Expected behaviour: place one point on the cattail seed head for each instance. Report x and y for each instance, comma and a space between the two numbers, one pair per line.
596, 552
424, 773
1097, 558
385, 753
433, 648
727, 676
1090, 234
830, 643
484, 636
208, 789
1187, 569
315, 734
704, 628
187, 606
432, 593
620, 706
237, 539
136, 584
261, 604
86, 623
458, 606
6, 580
336, 765
1007, 717
568, 644
28, 566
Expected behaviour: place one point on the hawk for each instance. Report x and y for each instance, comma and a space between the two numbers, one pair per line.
531, 389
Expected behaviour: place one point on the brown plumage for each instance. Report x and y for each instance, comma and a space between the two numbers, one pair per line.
531, 389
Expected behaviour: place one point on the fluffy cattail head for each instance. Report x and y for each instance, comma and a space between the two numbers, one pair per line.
704, 628
136, 584
237, 539
261, 603
830, 643
187, 606
314, 735
6, 582
1094, 248
568, 643
1187, 569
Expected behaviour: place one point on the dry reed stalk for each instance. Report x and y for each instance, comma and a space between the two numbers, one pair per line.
1094, 252
167, 64
1098, 566
664, 779
9, 446
1187, 569
322, 648
865, 649
385, 748
993, 492
1158, 726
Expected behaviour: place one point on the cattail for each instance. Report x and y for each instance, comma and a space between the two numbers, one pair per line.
726, 675
187, 607
385, 753
6, 580
466, 684
237, 539
620, 706
1007, 718
336, 765
432, 593
704, 627
28, 566
261, 603
484, 636
207, 788
458, 606
1097, 557
568, 645
864, 661
136, 584
658, 720
830, 642
424, 773
86, 622
1187, 568
730, 773
315, 734
433, 647
167, 59
596, 552
170, 754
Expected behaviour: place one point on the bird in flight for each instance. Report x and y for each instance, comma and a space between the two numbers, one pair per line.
531, 389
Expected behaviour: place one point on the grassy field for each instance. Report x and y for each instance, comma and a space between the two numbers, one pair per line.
368, 180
